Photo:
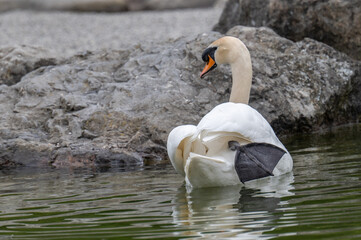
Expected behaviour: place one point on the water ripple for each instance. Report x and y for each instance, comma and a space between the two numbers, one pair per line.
319, 200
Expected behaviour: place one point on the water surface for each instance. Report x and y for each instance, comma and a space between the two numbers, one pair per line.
320, 199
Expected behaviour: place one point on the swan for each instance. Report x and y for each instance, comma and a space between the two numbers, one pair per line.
233, 143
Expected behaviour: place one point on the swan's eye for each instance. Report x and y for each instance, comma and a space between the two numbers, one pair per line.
208, 52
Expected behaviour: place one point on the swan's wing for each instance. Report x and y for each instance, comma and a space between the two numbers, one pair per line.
176, 145
241, 119
203, 171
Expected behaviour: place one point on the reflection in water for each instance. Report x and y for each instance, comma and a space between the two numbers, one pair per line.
319, 200
326, 202
245, 211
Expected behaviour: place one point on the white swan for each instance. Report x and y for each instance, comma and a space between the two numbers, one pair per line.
233, 143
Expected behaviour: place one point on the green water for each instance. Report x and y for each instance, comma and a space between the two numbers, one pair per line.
321, 199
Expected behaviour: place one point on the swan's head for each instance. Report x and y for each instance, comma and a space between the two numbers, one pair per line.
225, 50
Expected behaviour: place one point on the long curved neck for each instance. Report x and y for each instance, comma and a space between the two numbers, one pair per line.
241, 78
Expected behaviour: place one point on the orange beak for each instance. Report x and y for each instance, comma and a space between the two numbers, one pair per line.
210, 65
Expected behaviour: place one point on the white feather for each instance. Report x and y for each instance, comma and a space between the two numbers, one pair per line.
201, 153
174, 147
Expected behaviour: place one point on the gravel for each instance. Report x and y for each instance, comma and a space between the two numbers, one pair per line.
66, 33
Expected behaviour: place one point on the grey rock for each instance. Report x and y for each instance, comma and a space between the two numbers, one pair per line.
334, 22
112, 108
301, 86
20, 60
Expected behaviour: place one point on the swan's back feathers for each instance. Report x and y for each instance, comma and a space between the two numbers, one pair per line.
239, 118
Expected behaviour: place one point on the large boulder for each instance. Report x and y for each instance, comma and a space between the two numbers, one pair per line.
116, 107
301, 86
334, 22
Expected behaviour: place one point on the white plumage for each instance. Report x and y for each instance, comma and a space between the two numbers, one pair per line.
201, 153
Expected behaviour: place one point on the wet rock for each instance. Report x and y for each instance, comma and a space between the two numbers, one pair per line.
20, 152
334, 22
110, 107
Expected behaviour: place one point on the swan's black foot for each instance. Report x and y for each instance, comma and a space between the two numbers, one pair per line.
233, 145
255, 160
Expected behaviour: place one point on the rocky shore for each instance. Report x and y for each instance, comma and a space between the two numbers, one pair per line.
334, 22
114, 104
